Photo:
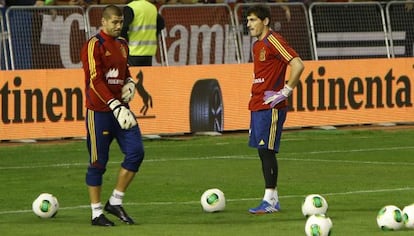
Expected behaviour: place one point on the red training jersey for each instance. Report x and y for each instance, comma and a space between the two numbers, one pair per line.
271, 56
104, 61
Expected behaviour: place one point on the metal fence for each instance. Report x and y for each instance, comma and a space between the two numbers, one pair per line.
289, 19
349, 31
45, 37
4, 63
199, 34
52, 36
400, 23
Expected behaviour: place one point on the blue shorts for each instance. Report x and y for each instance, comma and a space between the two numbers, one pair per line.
102, 128
266, 128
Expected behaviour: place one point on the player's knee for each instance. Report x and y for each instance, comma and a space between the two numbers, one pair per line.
94, 176
133, 161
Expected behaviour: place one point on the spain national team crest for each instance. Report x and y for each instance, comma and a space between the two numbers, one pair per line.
123, 51
262, 55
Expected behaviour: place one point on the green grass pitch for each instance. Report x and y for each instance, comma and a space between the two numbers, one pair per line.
357, 171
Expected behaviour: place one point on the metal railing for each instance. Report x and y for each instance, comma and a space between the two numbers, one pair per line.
51, 37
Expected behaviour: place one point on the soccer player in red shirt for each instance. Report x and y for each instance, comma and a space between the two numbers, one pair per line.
268, 105
108, 89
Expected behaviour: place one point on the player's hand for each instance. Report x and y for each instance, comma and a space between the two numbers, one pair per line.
123, 115
128, 90
273, 98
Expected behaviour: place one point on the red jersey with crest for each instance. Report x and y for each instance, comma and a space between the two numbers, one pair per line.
271, 56
104, 61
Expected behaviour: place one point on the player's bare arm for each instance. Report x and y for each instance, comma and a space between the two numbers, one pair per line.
297, 68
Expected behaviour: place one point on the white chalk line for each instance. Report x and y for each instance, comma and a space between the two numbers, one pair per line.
248, 157
356, 192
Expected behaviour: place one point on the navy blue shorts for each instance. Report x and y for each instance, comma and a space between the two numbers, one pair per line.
102, 128
266, 128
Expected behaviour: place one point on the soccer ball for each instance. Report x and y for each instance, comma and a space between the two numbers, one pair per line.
45, 205
318, 225
408, 216
213, 200
314, 204
390, 217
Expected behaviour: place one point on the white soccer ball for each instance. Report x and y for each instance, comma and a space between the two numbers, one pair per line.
45, 205
390, 218
213, 200
314, 204
318, 225
408, 216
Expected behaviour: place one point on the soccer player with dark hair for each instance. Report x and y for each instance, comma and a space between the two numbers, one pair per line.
271, 57
108, 89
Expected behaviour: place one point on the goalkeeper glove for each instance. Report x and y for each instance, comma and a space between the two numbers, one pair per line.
123, 115
128, 90
273, 98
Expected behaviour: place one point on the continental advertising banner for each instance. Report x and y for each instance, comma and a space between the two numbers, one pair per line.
38, 104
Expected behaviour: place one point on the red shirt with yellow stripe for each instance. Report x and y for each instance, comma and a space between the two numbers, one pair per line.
104, 61
271, 56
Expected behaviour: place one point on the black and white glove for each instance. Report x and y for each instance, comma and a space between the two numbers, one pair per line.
128, 90
123, 115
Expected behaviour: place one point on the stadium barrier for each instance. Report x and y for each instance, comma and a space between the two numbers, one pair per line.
349, 31
39, 104
200, 34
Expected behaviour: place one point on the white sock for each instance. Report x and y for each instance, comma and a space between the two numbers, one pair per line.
96, 210
271, 196
116, 197
276, 196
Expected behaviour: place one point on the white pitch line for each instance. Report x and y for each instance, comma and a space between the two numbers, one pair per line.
370, 191
350, 162
160, 145
362, 150
248, 157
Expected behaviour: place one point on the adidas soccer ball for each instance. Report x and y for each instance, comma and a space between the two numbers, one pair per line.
318, 225
213, 200
390, 218
45, 205
314, 204
408, 216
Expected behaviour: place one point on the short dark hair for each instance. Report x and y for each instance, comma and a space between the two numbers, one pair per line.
111, 10
260, 10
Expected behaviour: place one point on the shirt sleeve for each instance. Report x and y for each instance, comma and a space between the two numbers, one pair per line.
128, 18
160, 23
281, 47
97, 83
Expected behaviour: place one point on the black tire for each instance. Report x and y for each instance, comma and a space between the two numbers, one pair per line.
206, 106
